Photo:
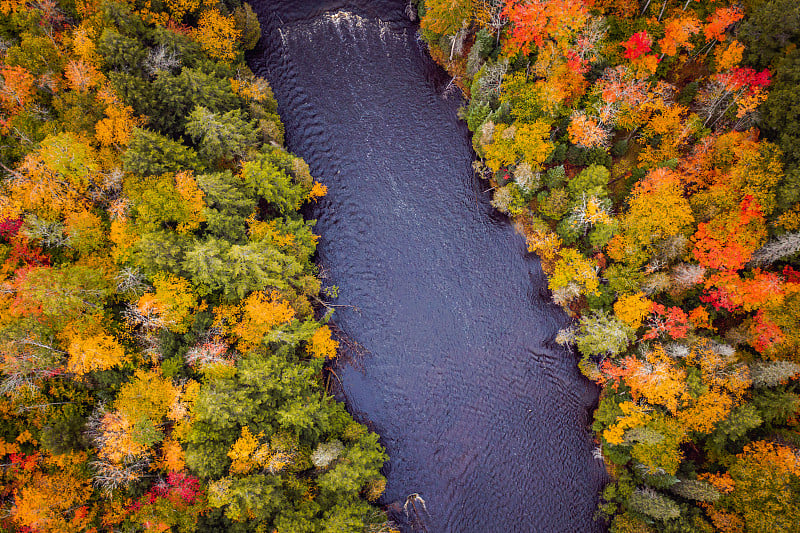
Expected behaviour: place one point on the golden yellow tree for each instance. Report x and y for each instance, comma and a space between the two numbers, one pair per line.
322, 345
632, 309
148, 394
218, 35
170, 306
241, 453
261, 312
93, 352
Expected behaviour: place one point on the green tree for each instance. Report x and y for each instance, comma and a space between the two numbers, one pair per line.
274, 184
780, 114
38, 54
121, 53
158, 204
220, 136
270, 395
769, 30
228, 205
776, 407
591, 181
602, 334
653, 504
160, 251
734, 428
248, 26
151, 154
693, 489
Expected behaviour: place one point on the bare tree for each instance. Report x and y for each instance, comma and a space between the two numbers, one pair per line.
130, 279
686, 275
491, 79
26, 362
411, 11
784, 246
161, 58
121, 461
491, 16
49, 233
770, 374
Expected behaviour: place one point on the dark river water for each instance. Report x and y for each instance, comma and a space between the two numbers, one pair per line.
482, 414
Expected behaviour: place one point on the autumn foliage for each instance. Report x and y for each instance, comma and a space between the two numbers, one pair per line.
157, 291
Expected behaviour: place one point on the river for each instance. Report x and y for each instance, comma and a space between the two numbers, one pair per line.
482, 414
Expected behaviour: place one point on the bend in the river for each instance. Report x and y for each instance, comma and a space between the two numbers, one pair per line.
481, 413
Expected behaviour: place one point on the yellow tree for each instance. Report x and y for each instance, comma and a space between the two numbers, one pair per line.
173, 457
573, 275
88, 353
729, 56
117, 127
517, 143
218, 35
670, 126
192, 196
83, 43
658, 210
53, 179
657, 379
446, 17
180, 8
703, 413
85, 231
766, 489
242, 451
632, 309
148, 394
170, 306
260, 313
322, 345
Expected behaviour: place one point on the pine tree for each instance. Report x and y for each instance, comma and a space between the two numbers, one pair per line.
151, 154
695, 490
655, 505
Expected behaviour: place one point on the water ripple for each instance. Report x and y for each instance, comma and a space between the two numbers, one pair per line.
482, 415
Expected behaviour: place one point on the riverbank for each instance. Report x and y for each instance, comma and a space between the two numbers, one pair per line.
625, 146
160, 360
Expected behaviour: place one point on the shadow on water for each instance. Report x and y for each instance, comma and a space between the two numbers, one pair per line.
485, 419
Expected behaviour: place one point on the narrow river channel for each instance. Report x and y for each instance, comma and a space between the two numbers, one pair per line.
482, 414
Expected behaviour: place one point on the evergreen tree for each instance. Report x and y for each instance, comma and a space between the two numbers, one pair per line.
152, 154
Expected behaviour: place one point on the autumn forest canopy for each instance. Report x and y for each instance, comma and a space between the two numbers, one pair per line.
163, 330
648, 151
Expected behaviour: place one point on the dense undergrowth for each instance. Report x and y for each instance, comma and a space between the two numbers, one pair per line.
648, 152
160, 356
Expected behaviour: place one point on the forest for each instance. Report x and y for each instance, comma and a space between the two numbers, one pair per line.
648, 152
163, 329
